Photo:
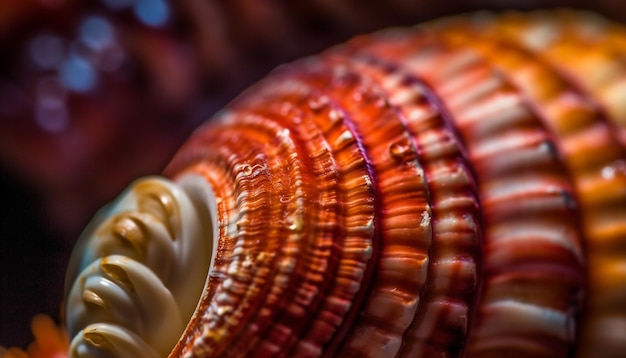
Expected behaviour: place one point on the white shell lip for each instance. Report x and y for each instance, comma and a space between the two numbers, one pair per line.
124, 292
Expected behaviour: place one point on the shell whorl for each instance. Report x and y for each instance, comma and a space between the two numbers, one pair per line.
457, 188
138, 271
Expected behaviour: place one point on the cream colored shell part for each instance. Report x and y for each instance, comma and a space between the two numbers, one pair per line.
138, 270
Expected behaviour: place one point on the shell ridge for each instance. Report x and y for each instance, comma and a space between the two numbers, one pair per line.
424, 66
309, 75
238, 267
598, 138
378, 49
309, 246
352, 85
485, 205
318, 104
406, 80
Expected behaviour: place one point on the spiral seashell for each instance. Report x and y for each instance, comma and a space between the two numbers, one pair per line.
457, 188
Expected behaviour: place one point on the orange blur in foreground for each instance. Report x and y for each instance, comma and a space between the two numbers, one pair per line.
50, 341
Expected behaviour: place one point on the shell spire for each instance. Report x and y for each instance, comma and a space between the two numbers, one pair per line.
452, 189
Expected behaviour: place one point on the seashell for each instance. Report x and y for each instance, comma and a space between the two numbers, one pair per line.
457, 188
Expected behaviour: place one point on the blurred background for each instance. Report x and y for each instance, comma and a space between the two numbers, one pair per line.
94, 94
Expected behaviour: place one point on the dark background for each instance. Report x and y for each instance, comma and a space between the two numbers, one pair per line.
157, 69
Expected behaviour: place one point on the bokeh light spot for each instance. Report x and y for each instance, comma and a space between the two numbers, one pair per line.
96, 33
77, 74
152, 12
52, 119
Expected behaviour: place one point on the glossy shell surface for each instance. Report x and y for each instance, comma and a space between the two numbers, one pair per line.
457, 188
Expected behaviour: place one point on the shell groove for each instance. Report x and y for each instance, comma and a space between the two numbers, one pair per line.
457, 188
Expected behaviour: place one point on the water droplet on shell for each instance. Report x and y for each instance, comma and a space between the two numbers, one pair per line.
318, 103
401, 150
